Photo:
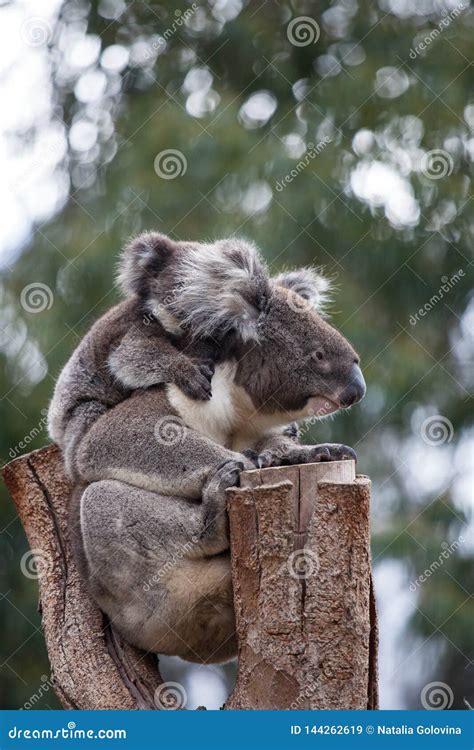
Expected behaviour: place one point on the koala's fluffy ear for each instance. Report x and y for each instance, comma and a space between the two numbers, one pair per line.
309, 283
142, 259
223, 287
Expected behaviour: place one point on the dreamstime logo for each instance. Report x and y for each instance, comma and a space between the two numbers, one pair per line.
437, 696
447, 283
431, 37
170, 431
35, 564
36, 297
36, 31
184, 551
437, 164
302, 564
304, 696
302, 31
46, 685
448, 550
313, 150
161, 309
170, 164
170, 696
27, 439
180, 19
437, 430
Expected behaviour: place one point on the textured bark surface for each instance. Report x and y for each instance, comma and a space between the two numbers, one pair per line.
301, 569
91, 667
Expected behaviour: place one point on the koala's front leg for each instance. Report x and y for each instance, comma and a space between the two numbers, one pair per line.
195, 379
141, 442
141, 361
283, 450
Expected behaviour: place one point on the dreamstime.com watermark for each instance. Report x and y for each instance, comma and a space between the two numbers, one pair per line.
181, 17
36, 31
170, 696
302, 564
432, 36
44, 688
36, 297
303, 697
437, 430
162, 310
447, 283
170, 431
28, 439
437, 164
302, 31
437, 696
71, 732
448, 550
35, 564
170, 163
170, 564
312, 152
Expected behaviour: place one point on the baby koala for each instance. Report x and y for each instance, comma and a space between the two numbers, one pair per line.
135, 345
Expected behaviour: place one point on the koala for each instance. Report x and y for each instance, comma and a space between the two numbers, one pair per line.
134, 345
147, 518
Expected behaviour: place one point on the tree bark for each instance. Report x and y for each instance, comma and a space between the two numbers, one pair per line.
301, 570
305, 619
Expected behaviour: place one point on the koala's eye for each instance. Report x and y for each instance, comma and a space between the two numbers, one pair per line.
318, 354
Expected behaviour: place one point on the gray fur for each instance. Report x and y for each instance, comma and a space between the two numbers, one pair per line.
308, 283
228, 272
150, 528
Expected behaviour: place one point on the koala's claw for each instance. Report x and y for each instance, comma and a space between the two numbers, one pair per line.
227, 475
252, 456
207, 368
267, 459
306, 454
230, 476
333, 452
197, 384
262, 460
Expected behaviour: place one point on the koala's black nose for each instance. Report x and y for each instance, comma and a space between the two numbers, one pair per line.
355, 391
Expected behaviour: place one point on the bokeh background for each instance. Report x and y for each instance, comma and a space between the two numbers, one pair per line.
338, 134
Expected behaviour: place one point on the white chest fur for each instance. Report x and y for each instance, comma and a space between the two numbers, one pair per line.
229, 417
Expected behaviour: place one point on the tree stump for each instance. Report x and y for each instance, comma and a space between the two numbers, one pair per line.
301, 569
305, 620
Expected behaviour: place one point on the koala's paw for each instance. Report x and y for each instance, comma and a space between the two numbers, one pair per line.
196, 382
329, 452
227, 475
305, 454
251, 456
265, 459
269, 458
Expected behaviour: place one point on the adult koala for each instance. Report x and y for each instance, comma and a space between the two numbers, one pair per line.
150, 528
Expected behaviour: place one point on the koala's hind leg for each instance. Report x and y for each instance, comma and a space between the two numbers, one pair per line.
148, 567
214, 528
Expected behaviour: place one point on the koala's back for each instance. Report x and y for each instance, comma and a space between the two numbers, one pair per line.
86, 380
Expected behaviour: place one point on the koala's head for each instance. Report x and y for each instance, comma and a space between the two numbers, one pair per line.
301, 365
290, 359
